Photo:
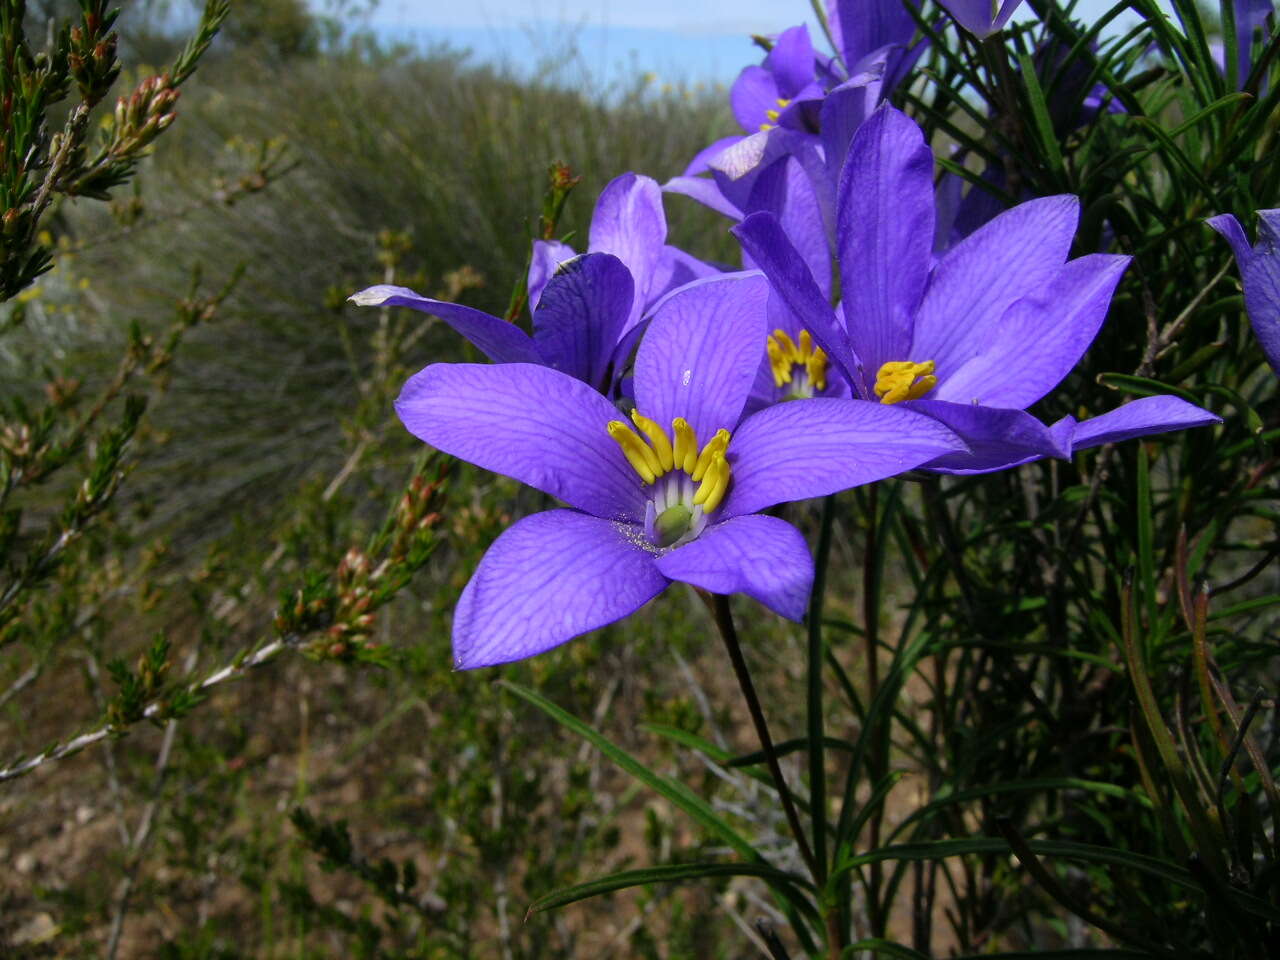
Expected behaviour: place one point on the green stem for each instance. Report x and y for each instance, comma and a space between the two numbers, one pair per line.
871, 632
724, 621
817, 756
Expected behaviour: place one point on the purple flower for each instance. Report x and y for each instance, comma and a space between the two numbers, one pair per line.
971, 339
799, 111
629, 223
980, 17
1250, 17
583, 324
672, 494
586, 309
1259, 275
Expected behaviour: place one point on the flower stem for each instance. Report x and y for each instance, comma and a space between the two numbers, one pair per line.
724, 621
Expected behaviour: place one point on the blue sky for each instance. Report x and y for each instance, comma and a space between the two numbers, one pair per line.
689, 41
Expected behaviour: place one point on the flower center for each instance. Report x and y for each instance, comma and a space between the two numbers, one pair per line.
799, 370
903, 380
773, 115
688, 483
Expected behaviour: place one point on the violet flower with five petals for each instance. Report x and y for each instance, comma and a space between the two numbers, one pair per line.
672, 495
973, 339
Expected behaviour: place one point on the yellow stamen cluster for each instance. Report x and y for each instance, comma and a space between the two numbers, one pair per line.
897, 381
661, 455
785, 355
773, 115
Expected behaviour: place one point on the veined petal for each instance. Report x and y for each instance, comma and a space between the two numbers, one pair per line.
535, 424
500, 341
791, 61
997, 437
785, 190
551, 577
676, 268
1139, 418
861, 26
843, 111
754, 92
701, 352
809, 448
884, 233
543, 263
629, 223
1015, 255
763, 557
1261, 281
582, 315
764, 240
1039, 339
700, 159
706, 191
975, 15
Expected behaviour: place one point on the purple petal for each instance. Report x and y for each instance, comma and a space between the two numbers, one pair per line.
809, 448
975, 15
1260, 278
791, 61
541, 427
1229, 227
861, 26
843, 111
700, 159
764, 240
500, 341
582, 315
545, 260
701, 352
763, 557
706, 191
736, 168
676, 268
884, 234
629, 223
784, 189
753, 93
1039, 339
997, 437
549, 578
1015, 255
1139, 418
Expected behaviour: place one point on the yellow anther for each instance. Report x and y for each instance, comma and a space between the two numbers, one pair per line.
715, 447
772, 115
786, 354
779, 363
657, 439
714, 484
897, 381
786, 345
783, 102
686, 448
638, 453
766, 126
816, 367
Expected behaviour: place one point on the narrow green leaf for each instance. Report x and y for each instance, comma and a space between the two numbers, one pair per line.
666, 873
1040, 113
676, 792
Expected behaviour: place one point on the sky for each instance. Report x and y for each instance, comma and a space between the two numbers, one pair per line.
678, 41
